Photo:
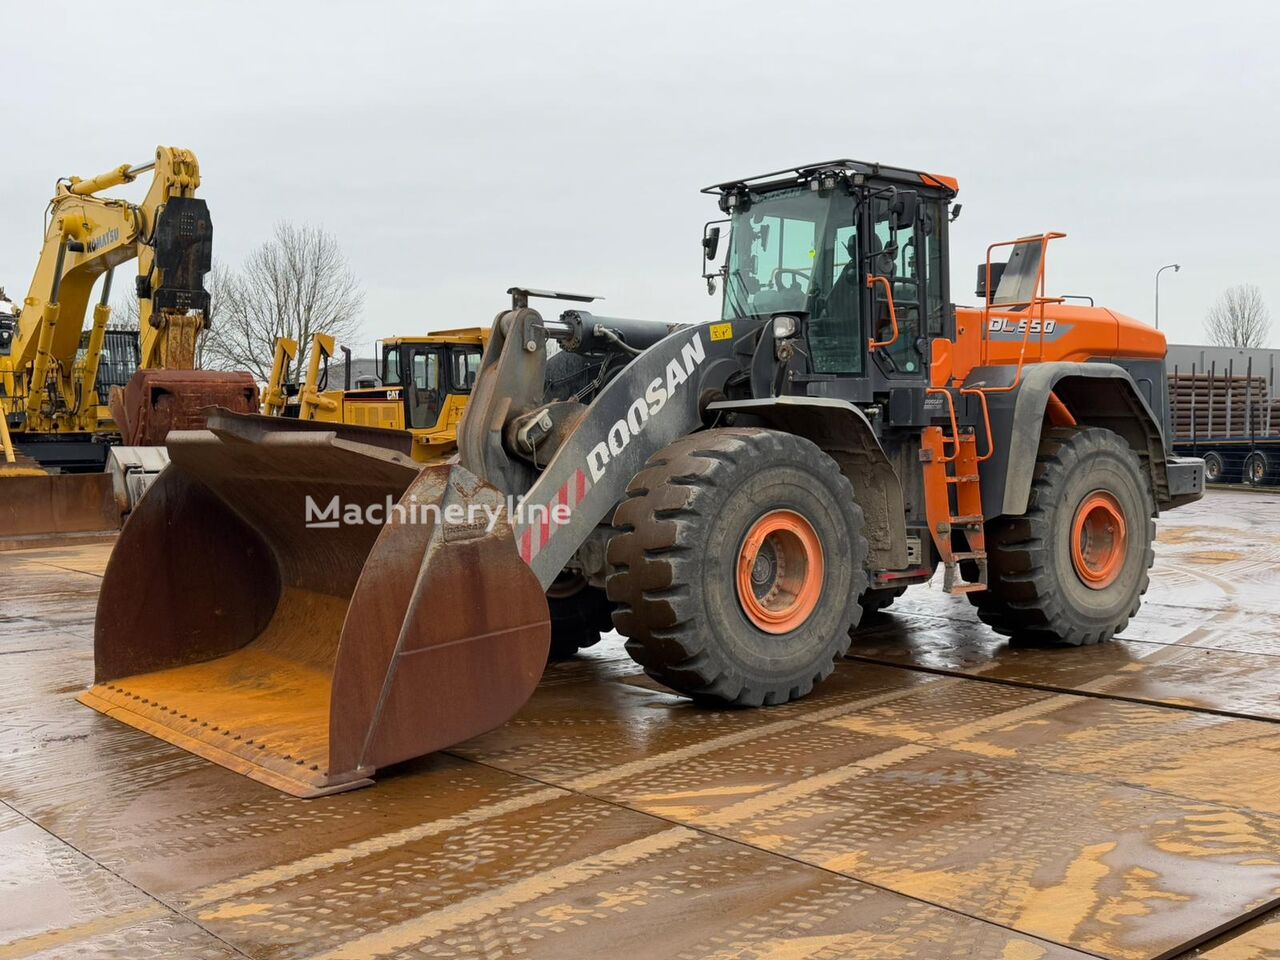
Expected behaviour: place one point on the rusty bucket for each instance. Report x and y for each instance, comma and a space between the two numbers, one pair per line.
155, 401
39, 507
305, 609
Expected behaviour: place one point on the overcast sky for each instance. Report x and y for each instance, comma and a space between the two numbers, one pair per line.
455, 149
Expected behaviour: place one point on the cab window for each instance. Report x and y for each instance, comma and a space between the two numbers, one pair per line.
391, 367
898, 256
464, 365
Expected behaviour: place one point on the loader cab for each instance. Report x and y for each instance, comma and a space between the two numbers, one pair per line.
426, 374
858, 252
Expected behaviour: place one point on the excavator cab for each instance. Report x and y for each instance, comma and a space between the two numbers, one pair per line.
8, 324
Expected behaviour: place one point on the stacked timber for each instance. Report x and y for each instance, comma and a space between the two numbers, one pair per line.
1221, 405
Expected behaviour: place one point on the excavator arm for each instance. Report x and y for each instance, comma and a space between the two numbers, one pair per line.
170, 235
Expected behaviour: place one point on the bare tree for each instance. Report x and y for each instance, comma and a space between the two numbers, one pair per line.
1239, 318
295, 285
124, 312
218, 281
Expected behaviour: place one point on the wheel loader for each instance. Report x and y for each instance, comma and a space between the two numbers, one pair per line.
420, 392
735, 493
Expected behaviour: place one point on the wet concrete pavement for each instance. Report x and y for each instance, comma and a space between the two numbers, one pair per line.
946, 794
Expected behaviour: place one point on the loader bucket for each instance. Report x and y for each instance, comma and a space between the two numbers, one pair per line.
35, 505
308, 656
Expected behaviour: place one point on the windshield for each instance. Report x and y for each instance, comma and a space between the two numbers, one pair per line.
795, 250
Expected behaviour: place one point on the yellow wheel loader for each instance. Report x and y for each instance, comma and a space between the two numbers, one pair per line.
736, 491
420, 392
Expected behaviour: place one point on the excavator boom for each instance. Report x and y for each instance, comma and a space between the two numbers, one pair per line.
65, 387
49, 368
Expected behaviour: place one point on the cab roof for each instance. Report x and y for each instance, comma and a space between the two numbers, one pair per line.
794, 176
461, 335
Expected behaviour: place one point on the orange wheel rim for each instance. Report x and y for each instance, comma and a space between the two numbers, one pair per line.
1098, 536
780, 570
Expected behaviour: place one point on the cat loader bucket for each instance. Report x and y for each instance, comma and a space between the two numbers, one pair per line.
303, 608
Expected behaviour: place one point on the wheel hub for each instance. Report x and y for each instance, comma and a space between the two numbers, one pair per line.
1098, 537
780, 571
765, 570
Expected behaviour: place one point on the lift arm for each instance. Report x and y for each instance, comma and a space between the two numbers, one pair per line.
274, 400
654, 400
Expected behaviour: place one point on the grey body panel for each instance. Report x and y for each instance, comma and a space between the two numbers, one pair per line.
623, 427
843, 431
1098, 394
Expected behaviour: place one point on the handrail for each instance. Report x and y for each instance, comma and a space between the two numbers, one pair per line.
873, 343
986, 422
955, 425
1038, 299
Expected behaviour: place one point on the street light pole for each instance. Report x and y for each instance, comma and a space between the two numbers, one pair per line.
1176, 268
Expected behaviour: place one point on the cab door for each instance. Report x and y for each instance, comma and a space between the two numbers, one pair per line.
424, 386
896, 254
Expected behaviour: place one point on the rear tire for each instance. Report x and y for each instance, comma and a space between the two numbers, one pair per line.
1073, 569
1257, 469
579, 614
691, 517
1214, 468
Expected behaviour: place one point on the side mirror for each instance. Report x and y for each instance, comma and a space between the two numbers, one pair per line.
711, 243
904, 208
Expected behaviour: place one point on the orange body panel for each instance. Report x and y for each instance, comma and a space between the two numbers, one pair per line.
1072, 333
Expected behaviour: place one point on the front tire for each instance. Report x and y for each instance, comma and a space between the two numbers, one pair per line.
739, 559
1073, 569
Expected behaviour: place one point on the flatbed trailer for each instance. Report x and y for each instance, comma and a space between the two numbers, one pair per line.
1230, 420
1251, 460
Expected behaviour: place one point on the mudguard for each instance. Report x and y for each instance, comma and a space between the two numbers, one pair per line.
844, 432
1099, 394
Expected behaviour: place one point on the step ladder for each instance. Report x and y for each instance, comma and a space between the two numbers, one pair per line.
953, 502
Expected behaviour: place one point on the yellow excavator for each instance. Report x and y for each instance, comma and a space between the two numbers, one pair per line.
420, 391
54, 372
